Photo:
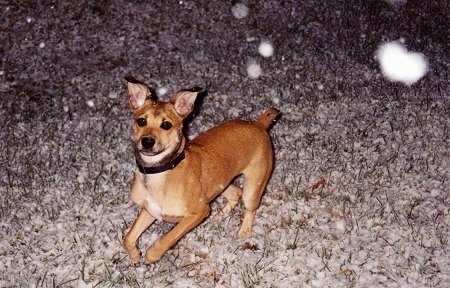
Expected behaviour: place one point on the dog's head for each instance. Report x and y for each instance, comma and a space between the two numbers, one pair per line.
158, 125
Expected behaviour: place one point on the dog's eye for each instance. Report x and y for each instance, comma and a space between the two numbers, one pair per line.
166, 125
141, 122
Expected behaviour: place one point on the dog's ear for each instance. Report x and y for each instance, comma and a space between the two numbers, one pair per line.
183, 101
138, 92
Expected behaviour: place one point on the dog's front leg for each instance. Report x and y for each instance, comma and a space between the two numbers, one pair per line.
142, 222
189, 222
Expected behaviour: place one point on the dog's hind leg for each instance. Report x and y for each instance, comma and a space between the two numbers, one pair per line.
233, 193
256, 179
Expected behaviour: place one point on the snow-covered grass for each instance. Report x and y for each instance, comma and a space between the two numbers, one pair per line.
359, 196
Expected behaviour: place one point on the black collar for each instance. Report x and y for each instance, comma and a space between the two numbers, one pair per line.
158, 169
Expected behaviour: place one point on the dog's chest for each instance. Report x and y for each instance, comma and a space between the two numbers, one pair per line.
160, 200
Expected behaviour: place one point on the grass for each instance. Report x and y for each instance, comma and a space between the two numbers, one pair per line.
381, 149
253, 274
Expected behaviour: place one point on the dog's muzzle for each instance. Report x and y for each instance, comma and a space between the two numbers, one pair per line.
147, 146
148, 143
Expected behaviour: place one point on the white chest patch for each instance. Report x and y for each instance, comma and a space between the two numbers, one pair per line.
153, 208
153, 199
158, 200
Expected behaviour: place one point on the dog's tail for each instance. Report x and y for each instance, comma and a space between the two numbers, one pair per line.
269, 117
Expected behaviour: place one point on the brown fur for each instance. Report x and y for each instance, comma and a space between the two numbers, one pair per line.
212, 160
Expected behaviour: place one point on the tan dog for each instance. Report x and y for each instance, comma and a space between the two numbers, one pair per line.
177, 180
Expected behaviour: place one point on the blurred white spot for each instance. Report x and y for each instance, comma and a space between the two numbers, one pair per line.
90, 103
162, 91
29, 19
239, 10
276, 100
254, 70
397, 64
396, 2
66, 108
112, 95
2, 72
265, 49
320, 86
41, 45
340, 226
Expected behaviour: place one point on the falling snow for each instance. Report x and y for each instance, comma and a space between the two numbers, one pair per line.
254, 70
265, 49
398, 64
239, 10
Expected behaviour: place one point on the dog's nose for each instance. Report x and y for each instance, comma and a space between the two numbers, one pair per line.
147, 142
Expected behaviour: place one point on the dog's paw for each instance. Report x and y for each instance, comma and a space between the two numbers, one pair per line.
133, 253
245, 232
135, 257
247, 223
153, 255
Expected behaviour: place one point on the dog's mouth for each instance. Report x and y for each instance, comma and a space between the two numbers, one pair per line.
148, 152
156, 155
147, 157
148, 146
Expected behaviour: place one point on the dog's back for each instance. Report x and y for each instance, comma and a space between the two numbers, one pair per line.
234, 147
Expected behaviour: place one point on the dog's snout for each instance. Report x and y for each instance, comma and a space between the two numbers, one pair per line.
147, 142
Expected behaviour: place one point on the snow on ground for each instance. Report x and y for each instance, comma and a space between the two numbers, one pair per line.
359, 196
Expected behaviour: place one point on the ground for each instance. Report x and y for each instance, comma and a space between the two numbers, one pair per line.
359, 195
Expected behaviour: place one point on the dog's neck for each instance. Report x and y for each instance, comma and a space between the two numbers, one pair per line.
162, 168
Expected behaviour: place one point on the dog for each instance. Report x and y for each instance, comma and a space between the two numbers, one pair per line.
176, 179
